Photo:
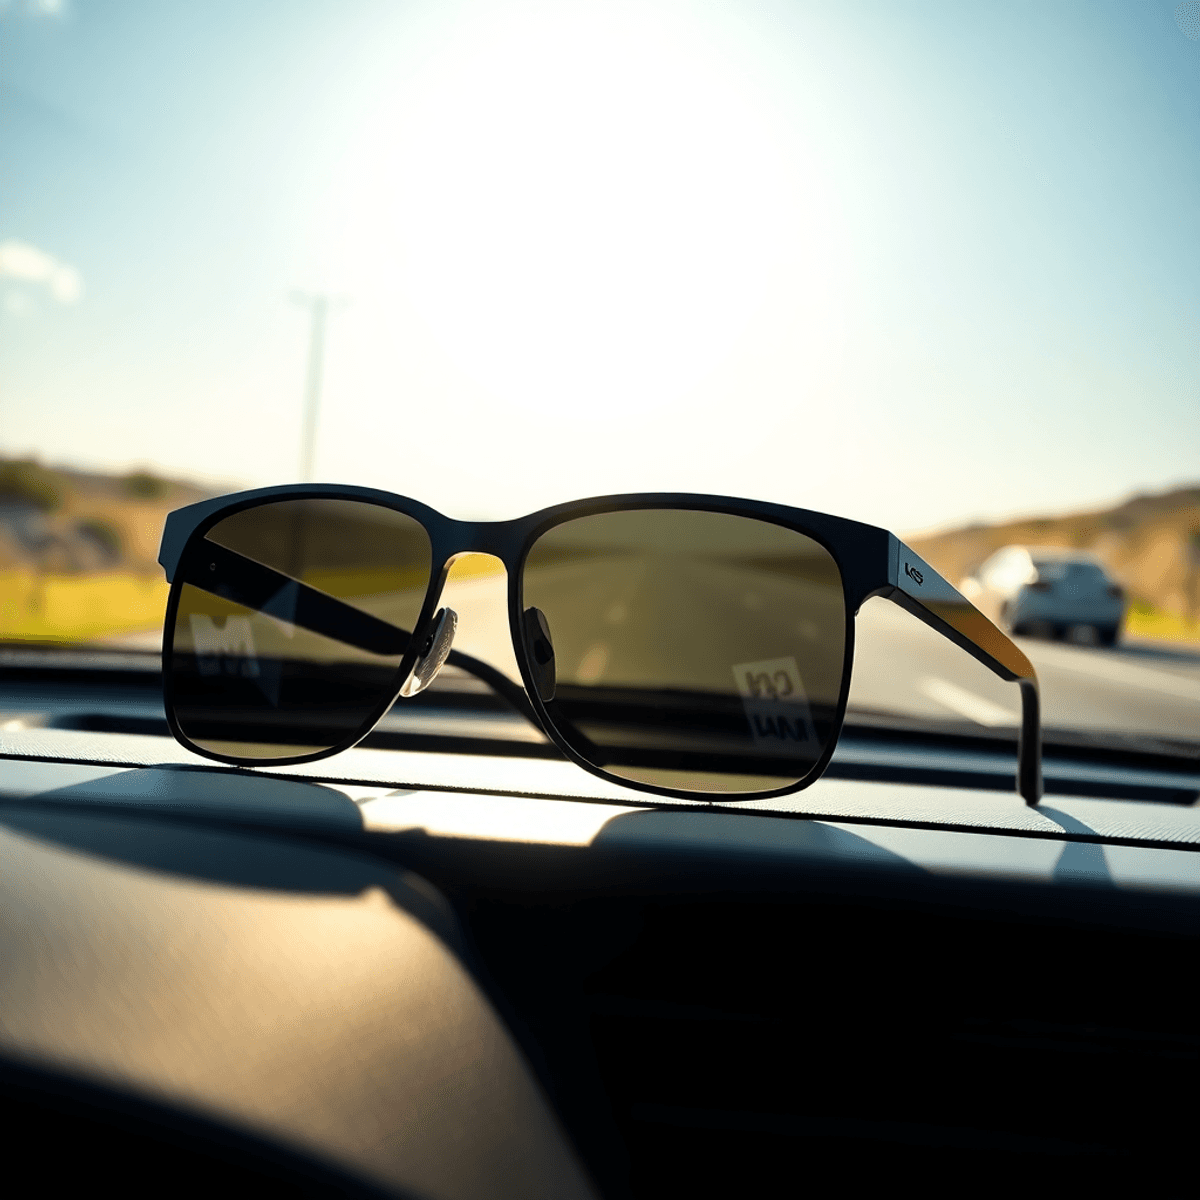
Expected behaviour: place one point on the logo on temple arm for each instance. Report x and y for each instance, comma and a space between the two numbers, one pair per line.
913, 574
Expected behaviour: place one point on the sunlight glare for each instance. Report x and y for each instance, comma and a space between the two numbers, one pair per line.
588, 204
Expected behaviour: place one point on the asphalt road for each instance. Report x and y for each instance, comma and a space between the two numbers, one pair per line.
1136, 688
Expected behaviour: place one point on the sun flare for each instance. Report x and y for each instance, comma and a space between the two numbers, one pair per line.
592, 203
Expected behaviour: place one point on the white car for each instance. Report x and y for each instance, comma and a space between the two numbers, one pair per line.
1049, 592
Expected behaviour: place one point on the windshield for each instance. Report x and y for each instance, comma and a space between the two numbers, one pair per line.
932, 266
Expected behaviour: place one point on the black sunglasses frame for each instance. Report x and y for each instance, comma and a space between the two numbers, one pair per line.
870, 560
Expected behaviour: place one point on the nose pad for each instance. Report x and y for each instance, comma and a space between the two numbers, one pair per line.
541, 653
433, 654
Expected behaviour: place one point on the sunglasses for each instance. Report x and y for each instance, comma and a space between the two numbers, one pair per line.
680, 645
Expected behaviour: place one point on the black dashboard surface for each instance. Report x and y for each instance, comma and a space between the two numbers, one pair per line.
441, 975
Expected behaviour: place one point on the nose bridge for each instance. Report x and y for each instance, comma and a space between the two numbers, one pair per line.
496, 539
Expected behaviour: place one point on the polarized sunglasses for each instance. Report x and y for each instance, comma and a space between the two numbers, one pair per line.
686, 646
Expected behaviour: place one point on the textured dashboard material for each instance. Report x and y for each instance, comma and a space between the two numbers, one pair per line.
305, 995
264, 952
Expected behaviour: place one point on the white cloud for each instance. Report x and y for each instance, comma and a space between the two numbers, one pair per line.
21, 261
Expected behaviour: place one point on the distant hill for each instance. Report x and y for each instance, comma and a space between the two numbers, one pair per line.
66, 522
1150, 543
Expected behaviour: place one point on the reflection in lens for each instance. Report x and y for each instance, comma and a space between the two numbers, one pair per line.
292, 622
696, 651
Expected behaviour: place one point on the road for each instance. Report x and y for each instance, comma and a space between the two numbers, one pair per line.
1136, 688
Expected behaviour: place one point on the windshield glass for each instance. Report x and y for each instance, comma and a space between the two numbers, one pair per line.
928, 265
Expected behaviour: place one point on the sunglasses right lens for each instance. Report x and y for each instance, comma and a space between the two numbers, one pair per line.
293, 619
697, 651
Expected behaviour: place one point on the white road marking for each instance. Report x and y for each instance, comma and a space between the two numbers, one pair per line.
1117, 670
966, 704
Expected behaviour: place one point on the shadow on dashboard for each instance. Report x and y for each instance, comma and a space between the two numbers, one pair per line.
186, 790
208, 855
732, 835
1079, 862
115, 1134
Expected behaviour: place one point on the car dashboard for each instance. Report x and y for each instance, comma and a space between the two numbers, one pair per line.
448, 963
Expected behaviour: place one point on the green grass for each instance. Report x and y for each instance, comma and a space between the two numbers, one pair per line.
78, 608
1143, 620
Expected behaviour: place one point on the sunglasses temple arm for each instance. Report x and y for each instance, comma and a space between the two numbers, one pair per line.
916, 587
258, 587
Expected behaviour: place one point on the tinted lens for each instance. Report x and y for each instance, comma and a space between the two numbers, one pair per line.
696, 651
292, 622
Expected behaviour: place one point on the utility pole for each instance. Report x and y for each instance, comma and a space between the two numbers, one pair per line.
318, 306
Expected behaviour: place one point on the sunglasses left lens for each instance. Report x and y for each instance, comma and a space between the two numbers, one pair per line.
292, 622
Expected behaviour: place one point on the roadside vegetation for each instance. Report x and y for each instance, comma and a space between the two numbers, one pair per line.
1143, 620
78, 551
78, 608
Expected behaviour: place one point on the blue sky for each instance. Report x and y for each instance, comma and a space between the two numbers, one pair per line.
913, 263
